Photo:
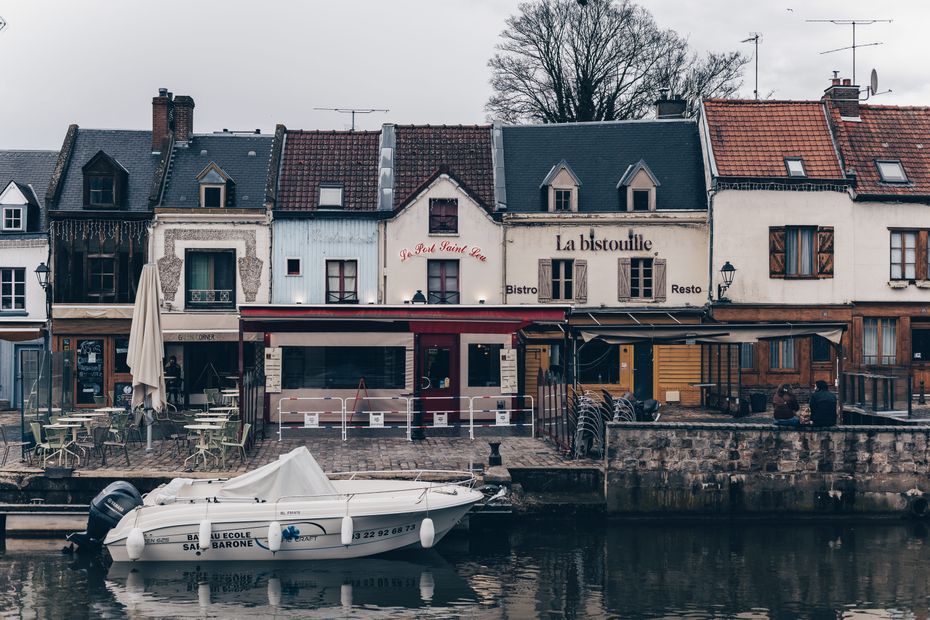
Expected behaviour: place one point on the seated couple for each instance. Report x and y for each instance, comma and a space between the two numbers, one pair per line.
822, 406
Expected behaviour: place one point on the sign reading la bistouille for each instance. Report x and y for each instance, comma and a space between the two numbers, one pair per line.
446, 247
590, 243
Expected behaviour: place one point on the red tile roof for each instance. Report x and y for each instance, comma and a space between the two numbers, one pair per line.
886, 132
311, 158
463, 150
752, 138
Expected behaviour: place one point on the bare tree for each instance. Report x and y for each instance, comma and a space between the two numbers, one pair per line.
560, 61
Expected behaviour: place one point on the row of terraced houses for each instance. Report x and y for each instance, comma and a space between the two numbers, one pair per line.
685, 259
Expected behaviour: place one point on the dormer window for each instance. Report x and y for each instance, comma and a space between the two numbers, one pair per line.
216, 187
795, 167
105, 182
330, 196
13, 219
637, 188
891, 171
560, 189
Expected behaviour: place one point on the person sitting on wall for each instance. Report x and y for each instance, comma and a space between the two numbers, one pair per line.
786, 406
823, 405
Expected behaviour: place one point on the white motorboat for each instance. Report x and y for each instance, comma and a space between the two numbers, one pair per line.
286, 510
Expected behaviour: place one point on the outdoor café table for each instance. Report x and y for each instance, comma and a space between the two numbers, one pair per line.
78, 421
201, 441
210, 419
110, 409
58, 427
232, 396
224, 410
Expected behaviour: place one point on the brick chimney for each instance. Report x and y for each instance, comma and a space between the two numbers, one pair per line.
161, 119
674, 107
844, 95
183, 118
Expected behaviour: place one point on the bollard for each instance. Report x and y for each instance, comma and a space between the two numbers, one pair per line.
922, 398
494, 460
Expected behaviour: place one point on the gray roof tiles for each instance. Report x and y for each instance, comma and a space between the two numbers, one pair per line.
599, 154
231, 153
32, 168
132, 149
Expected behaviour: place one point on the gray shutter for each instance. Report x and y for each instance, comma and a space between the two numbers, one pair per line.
545, 280
623, 279
658, 279
581, 281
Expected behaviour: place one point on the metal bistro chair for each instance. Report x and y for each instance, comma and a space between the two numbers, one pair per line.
213, 398
9, 445
115, 438
229, 432
239, 446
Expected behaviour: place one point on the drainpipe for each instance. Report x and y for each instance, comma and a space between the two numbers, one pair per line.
504, 259
710, 251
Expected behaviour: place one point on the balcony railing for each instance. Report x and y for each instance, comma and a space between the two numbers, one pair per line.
211, 298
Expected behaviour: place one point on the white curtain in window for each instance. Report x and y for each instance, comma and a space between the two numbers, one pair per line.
889, 341
896, 270
807, 251
870, 341
787, 360
910, 256
747, 355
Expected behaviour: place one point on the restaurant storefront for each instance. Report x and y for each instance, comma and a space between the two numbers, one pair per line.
379, 358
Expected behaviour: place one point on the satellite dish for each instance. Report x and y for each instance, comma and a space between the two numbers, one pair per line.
873, 81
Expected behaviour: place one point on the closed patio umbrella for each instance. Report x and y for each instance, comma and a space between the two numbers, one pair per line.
146, 353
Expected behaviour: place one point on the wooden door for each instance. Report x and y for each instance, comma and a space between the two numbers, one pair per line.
439, 375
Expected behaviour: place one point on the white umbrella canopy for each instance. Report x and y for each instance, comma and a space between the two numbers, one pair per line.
146, 353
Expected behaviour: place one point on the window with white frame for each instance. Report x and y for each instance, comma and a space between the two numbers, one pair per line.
747, 356
799, 250
341, 282
563, 280
562, 200
641, 278
13, 218
795, 166
12, 288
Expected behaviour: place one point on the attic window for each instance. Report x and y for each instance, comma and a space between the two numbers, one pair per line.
560, 189
641, 199
213, 196
331, 196
891, 171
795, 166
105, 182
12, 218
217, 189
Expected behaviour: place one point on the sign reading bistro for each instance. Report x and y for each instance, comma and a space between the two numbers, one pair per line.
589, 243
446, 247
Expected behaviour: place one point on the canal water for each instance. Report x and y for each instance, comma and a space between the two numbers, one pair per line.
537, 570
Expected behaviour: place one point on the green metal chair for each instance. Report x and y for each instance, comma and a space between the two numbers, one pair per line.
9, 445
239, 446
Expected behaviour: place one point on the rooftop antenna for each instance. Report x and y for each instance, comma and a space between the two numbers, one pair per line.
353, 112
853, 23
755, 37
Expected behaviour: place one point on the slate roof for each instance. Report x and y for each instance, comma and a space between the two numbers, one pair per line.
599, 154
464, 151
751, 139
132, 149
228, 151
886, 133
28, 168
312, 158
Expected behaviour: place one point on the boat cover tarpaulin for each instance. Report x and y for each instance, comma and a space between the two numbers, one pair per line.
722, 333
294, 473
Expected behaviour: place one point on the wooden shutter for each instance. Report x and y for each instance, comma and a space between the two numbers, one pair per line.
658, 279
922, 266
581, 281
825, 252
545, 280
623, 279
776, 251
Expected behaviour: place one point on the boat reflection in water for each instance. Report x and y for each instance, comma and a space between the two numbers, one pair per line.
182, 588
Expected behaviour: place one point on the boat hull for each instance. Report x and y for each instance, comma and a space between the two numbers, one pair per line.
236, 537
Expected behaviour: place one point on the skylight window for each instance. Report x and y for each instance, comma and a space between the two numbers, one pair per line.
331, 196
891, 171
795, 166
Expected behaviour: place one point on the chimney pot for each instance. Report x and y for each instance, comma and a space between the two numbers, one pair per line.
847, 82
674, 107
162, 92
844, 96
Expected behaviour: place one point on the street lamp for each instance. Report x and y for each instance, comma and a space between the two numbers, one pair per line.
727, 272
419, 297
42, 274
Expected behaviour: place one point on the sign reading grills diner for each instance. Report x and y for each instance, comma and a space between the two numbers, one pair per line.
590, 243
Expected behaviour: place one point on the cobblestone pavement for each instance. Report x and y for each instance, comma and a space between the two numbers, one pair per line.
332, 453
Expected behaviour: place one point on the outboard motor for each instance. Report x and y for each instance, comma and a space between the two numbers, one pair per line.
106, 510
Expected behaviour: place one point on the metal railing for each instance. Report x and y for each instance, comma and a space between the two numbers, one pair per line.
219, 298
345, 414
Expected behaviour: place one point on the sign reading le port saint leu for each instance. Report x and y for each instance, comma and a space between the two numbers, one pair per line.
444, 247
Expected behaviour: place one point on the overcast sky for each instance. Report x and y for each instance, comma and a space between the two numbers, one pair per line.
254, 64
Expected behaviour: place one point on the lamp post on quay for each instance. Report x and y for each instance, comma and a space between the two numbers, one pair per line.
42, 274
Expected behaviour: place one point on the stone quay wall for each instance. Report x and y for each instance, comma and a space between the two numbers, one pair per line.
761, 470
